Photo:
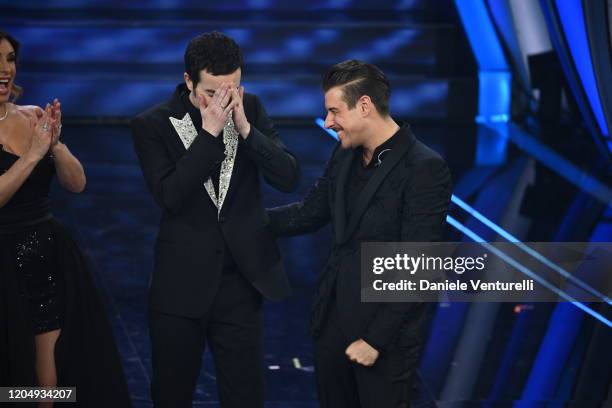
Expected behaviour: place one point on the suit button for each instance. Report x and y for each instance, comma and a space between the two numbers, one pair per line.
221, 219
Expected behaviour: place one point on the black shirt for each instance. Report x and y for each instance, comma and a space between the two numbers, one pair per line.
361, 174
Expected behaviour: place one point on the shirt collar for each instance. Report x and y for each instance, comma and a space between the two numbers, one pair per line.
382, 151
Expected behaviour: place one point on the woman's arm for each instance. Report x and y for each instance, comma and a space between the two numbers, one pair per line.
18, 173
69, 170
15, 176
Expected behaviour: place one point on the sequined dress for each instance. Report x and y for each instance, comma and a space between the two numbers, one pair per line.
45, 285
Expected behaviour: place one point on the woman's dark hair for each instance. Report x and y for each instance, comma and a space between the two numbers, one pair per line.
214, 52
358, 78
17, 90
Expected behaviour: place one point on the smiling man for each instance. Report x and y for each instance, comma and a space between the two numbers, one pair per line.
202, 154
381, 185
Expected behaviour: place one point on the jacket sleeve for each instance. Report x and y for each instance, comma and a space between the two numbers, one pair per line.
425, 206
264, 146
172, 184
308, 215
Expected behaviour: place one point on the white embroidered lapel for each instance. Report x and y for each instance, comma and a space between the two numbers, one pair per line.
187, 133
185, 129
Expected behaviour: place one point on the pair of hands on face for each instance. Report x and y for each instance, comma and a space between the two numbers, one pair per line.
45, 126
227, 99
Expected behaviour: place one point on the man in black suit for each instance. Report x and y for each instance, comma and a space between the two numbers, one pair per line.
381, 185
202, 153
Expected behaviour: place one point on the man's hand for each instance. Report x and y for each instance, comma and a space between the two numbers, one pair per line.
362, 353
240, 121
215, 114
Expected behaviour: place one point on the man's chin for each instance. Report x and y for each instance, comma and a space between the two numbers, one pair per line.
345, 144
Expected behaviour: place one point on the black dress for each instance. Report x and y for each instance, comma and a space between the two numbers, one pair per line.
45, 285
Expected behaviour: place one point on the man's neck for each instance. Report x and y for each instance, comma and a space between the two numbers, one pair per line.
382, 131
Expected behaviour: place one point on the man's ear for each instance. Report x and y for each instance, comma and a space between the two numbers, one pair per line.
365, 105
188, 81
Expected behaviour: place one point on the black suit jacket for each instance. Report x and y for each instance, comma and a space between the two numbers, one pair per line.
189, 249
406, 199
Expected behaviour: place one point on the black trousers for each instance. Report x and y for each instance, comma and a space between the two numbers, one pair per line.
233, 329
344, 384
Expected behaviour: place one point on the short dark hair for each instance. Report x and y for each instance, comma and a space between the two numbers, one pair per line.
214, 52
359, 78
17, 90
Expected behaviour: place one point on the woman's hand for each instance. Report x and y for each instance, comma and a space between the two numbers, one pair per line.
42, 129
56, 115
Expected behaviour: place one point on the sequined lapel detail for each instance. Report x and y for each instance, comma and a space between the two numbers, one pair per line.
185, 129
230, 139
187, 133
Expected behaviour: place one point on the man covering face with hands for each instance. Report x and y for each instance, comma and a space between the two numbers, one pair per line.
216, 106
201, 154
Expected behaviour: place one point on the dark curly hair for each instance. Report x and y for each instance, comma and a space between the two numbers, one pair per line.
214, 52
359, 78
17, 90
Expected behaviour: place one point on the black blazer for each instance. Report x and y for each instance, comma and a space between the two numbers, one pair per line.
406, 199
189, 249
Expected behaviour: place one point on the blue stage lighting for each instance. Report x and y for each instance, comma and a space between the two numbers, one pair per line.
571, 17
494, 79
510, 261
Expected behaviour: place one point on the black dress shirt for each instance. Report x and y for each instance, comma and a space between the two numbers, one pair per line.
360, 174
